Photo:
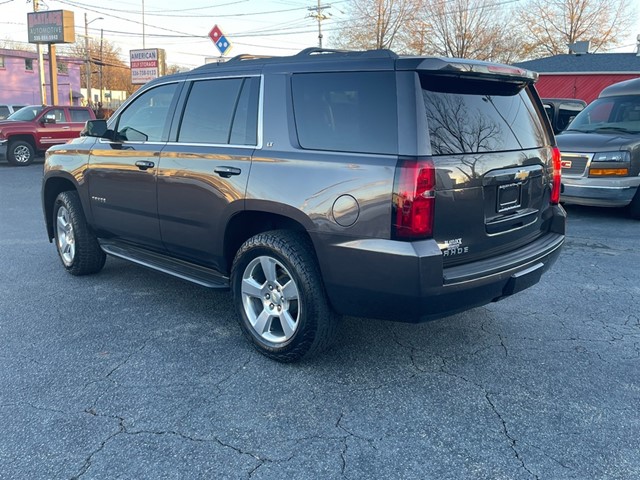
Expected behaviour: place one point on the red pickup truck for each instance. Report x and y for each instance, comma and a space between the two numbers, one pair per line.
35, 128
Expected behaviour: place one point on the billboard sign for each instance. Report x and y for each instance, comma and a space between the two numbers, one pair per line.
54, 26
146, 65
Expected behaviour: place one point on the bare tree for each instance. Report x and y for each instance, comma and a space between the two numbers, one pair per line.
551, 25
116, 74
375, 23
479, 29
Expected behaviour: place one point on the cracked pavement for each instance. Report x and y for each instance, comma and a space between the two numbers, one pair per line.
133, 374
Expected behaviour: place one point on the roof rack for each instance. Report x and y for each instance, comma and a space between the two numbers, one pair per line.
378, 53
315, 52
247, 56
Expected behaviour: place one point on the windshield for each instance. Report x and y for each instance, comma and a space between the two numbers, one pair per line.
26, 114
620, 114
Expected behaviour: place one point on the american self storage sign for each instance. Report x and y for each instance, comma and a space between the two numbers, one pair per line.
146, 64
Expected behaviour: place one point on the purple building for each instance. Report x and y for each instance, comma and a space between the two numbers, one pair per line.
19, 79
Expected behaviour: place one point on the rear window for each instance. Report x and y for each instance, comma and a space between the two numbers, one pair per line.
476, 116
346, 111
79, 115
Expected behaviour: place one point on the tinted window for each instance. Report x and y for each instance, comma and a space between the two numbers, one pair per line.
351, 111
79, 115
145, 119
4, 111
217, 111
621, 113
58, 114
474, 116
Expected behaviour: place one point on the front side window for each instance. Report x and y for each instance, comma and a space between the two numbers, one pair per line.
147, 117
473, 116
57, 114
346, 111
221, 111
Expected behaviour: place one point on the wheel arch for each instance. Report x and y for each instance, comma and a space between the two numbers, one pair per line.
52, 188
248, 223
25, 137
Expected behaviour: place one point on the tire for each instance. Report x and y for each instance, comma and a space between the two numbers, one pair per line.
20, 153
634, 206
278, 291
77, 246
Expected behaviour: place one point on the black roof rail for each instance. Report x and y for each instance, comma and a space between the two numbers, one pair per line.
378, 53
247, 56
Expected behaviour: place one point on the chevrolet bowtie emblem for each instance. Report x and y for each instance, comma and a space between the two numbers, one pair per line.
522, 175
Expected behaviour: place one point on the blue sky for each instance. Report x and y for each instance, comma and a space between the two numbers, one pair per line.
268, 27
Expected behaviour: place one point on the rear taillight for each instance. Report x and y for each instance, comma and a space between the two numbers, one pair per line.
414, 199
557, 174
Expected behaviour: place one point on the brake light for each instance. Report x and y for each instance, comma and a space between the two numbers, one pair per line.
414, 199
557, 175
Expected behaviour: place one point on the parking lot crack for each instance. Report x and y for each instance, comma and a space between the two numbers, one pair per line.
512, 441
89, 460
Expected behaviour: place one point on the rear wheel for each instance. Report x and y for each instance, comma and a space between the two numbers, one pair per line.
77, 246
20, 153
278, 291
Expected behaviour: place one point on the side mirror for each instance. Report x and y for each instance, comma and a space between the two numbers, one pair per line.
94, 128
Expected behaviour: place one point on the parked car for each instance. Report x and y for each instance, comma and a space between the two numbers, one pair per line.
562, 111
601, 151
322, 184
6, 110
35, 128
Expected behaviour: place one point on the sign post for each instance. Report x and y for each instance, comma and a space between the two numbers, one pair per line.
220, 40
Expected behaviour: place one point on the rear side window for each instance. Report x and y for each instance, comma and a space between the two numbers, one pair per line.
221, 111
79, 115
346, 111
4, 111
475, 116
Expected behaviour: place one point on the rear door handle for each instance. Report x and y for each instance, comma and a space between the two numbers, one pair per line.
144, 164
226, 172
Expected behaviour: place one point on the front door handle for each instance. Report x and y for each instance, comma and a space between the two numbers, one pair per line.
144, 164
226, 172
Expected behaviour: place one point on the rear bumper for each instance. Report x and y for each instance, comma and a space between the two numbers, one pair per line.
406, 282
599, 192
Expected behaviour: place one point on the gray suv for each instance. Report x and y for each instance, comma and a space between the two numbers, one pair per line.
322, 184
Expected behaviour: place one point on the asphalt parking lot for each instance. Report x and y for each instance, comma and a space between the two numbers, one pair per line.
133, 374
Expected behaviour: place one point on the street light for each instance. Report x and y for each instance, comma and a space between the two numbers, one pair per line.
87, 58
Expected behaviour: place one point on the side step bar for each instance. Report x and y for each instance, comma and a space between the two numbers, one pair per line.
204, 276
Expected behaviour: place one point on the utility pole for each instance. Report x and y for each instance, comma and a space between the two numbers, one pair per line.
43, 90
87, 59
319, 15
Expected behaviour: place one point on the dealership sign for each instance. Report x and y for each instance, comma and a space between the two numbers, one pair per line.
146, 65
55, 26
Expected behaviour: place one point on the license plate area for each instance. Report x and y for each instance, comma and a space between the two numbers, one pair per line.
509, 197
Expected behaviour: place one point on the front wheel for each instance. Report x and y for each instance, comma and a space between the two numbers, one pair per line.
20, 153
77, 246
278, 290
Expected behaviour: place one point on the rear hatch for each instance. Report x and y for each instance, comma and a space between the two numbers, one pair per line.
492, 150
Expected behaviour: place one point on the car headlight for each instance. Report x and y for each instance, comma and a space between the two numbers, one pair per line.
611, 157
